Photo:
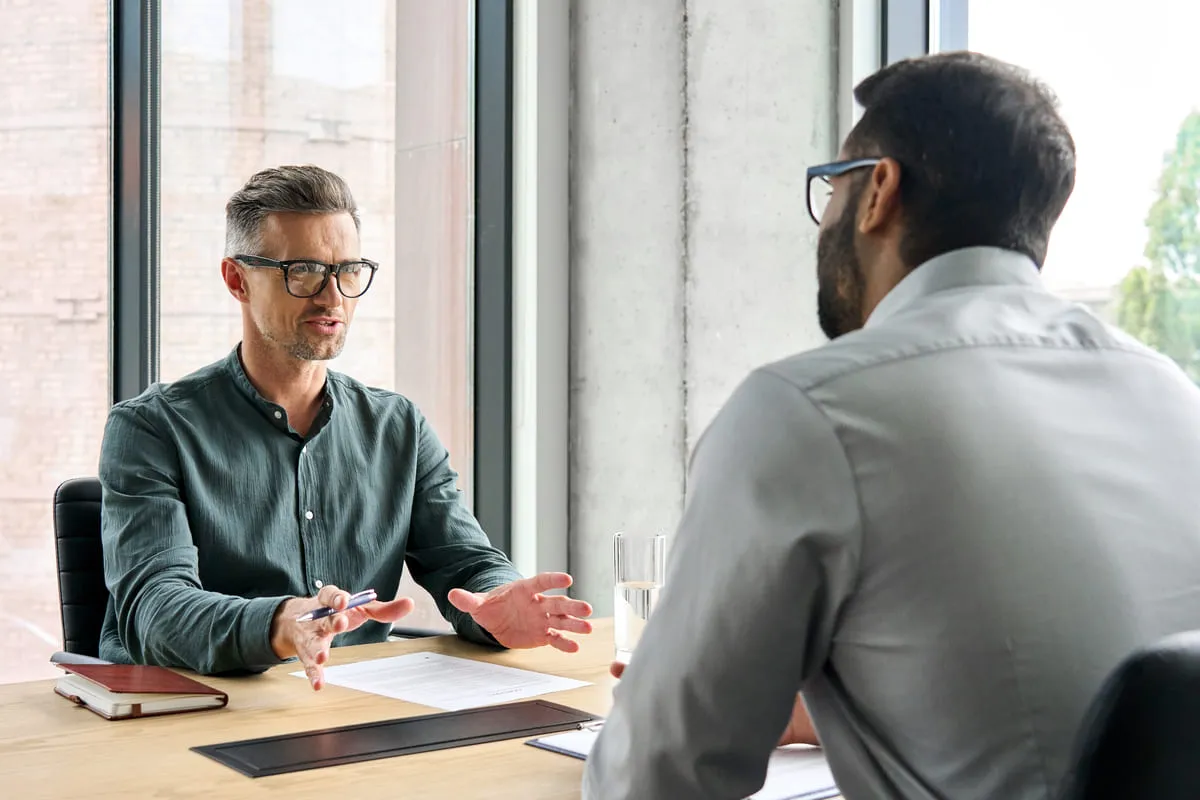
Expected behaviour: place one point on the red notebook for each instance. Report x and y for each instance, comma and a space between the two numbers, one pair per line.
124, 691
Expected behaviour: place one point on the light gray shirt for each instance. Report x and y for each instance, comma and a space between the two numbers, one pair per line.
944, 529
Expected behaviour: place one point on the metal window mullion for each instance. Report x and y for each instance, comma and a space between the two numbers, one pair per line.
493, 336
904, 29
952, 24
135, 65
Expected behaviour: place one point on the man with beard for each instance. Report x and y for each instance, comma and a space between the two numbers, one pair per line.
948, 525
235, 494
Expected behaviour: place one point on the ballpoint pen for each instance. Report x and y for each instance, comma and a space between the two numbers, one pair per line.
361, 598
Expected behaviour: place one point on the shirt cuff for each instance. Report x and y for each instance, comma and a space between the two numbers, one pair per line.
254, 633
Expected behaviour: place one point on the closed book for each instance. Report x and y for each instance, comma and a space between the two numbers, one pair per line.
126, 691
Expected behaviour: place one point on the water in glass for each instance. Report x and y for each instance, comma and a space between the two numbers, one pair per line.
633, 601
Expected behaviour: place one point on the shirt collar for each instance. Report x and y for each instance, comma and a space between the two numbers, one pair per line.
970, 266
275, 413
233, 365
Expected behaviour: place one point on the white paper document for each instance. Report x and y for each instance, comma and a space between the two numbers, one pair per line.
794, 773
445, 682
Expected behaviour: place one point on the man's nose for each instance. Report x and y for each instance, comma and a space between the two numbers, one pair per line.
330, 296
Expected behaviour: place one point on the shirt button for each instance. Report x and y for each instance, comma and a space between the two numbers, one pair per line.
304, 450
278, 415
308, 515
318, 584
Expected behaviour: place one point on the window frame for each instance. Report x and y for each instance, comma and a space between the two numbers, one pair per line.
911, 28
133, 296
135, 71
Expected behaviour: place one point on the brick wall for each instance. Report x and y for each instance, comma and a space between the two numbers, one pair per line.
53, 301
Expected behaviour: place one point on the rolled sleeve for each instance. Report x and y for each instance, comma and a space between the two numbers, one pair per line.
765, 555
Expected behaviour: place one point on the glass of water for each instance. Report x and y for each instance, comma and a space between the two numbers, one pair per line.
640, 567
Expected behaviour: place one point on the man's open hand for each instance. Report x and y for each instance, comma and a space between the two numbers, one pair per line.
309, 641
517, 614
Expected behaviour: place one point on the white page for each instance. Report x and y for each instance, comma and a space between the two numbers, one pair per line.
797, 772
794, 773
445, 682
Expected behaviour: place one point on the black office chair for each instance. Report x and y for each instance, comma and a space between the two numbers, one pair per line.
83, 596
1141, 736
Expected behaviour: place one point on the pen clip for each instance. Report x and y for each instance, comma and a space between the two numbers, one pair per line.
594, 725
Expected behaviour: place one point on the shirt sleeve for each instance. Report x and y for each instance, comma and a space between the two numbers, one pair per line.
164, 615
446, 547
765, 555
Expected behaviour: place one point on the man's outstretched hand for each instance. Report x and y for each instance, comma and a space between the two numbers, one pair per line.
310, 641
518, 615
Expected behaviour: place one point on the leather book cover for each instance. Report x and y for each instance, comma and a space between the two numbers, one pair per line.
140, 679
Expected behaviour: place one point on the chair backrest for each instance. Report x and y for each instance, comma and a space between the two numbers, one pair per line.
83, 597
1141, 736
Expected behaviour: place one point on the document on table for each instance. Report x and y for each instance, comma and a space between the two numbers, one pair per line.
445, 682
794, 773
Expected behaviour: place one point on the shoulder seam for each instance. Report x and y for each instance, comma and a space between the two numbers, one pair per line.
938, 349
160, 390
833, 430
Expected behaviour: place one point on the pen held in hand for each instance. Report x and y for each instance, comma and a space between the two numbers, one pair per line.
359, 599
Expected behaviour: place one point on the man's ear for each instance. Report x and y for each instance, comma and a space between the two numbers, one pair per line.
881, 197
235, 280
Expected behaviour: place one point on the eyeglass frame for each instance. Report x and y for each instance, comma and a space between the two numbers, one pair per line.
833, 169
330, 269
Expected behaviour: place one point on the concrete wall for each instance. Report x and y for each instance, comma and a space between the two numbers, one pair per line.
692, 255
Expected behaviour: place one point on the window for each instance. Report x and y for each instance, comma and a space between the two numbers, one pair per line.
1128, 243
54, 222
378, 92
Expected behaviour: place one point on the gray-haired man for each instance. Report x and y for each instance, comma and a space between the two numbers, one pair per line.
233, 494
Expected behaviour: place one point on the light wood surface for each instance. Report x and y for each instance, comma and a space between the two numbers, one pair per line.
50, 748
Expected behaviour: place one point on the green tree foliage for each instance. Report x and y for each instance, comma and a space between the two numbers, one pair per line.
1174, 241
1150, 310
1159, 303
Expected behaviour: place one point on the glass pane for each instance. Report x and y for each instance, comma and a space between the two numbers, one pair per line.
377, 91
1128, 243
54, 343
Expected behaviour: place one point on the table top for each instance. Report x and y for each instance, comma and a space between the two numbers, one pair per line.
51, 748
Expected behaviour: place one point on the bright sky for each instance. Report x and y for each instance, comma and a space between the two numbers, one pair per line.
1126, 76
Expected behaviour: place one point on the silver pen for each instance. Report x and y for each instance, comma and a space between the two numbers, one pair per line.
359, 599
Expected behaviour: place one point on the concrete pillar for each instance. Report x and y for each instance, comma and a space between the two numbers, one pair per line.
627, 229
761, 79
692, 255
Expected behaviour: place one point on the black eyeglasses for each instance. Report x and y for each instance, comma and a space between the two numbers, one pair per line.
306, 278
819, 187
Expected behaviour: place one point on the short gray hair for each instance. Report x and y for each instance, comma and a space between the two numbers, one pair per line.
288, 189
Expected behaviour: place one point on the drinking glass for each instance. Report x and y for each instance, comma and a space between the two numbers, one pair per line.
640, 567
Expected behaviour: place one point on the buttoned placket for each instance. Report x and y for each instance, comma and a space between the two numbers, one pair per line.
307, 487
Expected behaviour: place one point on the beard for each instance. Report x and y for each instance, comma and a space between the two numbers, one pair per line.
840, 281
305, 345
324, 349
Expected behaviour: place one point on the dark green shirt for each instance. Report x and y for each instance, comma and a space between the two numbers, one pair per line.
216, 511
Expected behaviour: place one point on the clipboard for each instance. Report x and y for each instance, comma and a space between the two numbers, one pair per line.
348, 744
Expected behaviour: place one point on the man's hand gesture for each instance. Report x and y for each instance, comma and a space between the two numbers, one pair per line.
518, 615
310, 641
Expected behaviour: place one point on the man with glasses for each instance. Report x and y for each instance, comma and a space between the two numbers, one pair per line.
946, 526
240, 498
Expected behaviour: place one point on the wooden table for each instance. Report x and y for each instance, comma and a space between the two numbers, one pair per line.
50, 748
